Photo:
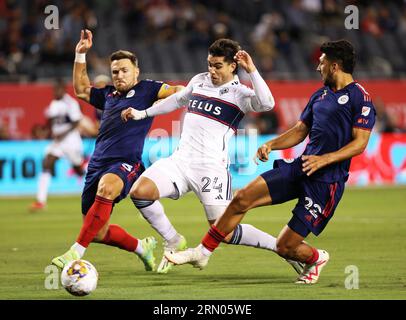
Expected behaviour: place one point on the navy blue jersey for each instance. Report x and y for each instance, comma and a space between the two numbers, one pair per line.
118, 140
331, 116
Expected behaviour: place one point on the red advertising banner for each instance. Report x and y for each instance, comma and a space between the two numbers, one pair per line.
22, 105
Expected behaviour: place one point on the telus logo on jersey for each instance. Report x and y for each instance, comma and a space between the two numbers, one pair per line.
206, 106
216, 109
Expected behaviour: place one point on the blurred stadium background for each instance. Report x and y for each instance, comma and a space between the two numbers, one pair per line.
170, 38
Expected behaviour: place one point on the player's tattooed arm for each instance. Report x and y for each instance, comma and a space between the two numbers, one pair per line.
312, 163
286, 140
81, 82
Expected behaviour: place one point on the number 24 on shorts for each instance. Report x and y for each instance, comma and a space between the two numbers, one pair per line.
206, 183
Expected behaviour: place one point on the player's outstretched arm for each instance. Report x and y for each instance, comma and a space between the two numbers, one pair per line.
286, 140
81, 82
263, 99
166, 105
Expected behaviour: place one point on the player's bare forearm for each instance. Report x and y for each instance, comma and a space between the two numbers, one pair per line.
81, 82
286, 140
312, 163
289, 138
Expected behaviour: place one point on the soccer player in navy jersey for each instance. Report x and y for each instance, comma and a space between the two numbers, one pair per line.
338, 118
116, 162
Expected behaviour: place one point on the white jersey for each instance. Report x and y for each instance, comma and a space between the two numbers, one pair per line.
213, 115
63, 113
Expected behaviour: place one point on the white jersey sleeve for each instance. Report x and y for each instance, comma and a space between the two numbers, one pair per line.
260, 99
173, 102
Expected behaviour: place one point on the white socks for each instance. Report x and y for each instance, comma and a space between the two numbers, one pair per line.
43, 185
248, 235
79, 248
139, 250
205, 251
157, 218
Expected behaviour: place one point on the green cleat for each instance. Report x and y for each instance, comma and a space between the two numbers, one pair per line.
165, 264
148, 245
67, 257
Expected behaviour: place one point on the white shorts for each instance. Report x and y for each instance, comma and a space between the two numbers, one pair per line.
70, 147
211, 183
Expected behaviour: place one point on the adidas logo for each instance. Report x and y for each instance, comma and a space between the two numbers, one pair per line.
219, 197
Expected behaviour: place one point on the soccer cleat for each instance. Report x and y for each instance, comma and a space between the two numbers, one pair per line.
165, 264
311, 272
147, 257
193, 256
67, 257
37, 206
298, 266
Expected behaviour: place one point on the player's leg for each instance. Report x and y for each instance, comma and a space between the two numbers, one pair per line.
255, 194
72, 148
152, 185
315, 207
48, 167
97, 210
121, 177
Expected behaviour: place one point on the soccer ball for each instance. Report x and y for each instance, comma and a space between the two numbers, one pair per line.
79, 277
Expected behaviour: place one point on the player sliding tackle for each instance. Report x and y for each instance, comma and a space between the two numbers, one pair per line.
338, 118
217, 102
116, 162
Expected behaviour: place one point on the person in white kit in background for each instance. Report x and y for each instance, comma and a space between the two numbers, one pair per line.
217, 101
64, 115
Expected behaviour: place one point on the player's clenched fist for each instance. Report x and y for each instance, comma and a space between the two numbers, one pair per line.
244, 60
262, 153
131, 113
85, 42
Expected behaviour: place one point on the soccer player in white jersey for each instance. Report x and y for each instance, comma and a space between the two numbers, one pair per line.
217, 101
64, 115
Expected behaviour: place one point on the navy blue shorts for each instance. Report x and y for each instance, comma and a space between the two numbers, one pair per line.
317, 200
128, 173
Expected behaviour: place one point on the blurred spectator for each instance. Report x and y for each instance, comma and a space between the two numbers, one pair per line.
385, 122
370, 23
40, 132
267, 123
386, 21
269, 27
160, 15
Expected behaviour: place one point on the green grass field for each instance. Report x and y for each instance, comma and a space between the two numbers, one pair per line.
367, 231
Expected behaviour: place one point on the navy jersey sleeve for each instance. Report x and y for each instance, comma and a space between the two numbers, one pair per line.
98, 97
307, 113
154, 87
363, 111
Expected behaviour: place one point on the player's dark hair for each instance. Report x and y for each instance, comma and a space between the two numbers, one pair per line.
123, 54
226, 48
341, 52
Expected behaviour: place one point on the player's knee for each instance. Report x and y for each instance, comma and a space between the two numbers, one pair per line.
107, 191
144, 191
241, 201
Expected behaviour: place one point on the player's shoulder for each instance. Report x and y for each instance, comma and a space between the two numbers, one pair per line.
203, 77
319, 92
358, 91
106, 90
151, 82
